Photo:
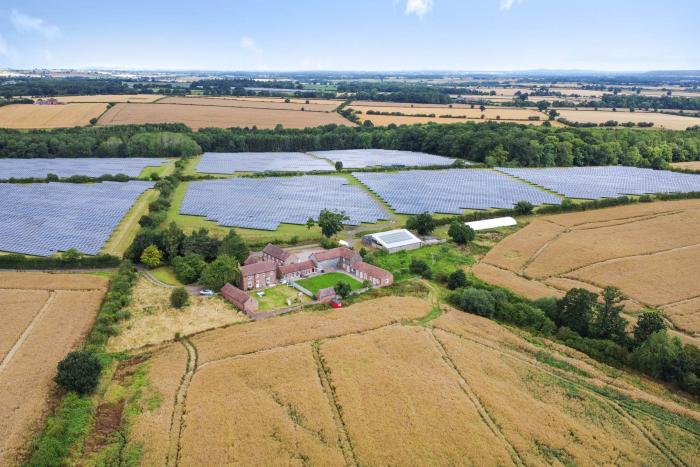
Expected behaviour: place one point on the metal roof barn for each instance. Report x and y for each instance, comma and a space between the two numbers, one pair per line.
494, 223
394, 240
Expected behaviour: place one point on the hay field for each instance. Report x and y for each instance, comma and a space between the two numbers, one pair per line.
660, 120
367, 391
40, 326
384, 120
27, 116
651, 251
203, 116
270, 103
692, 165
111, 98
506, 113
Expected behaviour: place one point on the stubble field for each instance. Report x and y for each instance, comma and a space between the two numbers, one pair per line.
659, 119
111, 98
44, 317
27, 116
257, 103
651, 251
369, 386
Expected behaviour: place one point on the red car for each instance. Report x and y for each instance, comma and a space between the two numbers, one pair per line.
335, 303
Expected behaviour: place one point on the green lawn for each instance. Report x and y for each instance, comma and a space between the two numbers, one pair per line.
162, 170
165, 274
276, 298
444, 258
316, 283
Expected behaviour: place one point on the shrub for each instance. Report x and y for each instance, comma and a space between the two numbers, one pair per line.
648, 323
222, 270
477, 301
343, 289
460, 233
79, 372
188, 268
524, 207
152, 256
457, 280
421, 267
179, 297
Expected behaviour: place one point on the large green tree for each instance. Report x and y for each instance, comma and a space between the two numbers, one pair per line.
234, 246
220, 271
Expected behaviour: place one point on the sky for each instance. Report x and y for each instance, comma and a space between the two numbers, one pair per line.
371, 35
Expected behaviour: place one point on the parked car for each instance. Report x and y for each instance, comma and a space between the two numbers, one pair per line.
206, 292
335, 303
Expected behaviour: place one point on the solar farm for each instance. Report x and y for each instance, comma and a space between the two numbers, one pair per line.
607, 182
66, 167
451, 191
362, 158
227, 163
44, 218
264, 203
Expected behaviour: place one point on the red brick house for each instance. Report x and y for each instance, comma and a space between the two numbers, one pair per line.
296, 270
258, 275
336, 258
278, 255
325, 295
239, 298
378, 277
253, 258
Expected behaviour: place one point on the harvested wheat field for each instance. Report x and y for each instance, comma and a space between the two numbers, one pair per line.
651, 251
659, 119
203, 116
692, 165
42, 322
491, 113
460, 390
270, 103
111, 98
26, 116
384, 120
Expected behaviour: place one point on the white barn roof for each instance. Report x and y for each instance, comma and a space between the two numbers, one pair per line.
395, 238
492, 223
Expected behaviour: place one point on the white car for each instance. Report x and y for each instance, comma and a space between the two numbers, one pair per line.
206, 292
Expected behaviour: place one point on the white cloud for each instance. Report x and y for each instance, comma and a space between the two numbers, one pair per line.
25, 23
248, 43
507, 4
418, 7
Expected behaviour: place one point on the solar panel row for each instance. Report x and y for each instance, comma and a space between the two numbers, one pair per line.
451, 191
41, 219
361, 158
66, 167
264, 203
608, 181
227, 163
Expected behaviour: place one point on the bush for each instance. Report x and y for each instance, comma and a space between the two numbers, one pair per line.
329, 243
460, 233
343, 289
424, 223
188, 268
421, 267
79, 372
457, 280
179, 298
477, 301
222, 270
524, 208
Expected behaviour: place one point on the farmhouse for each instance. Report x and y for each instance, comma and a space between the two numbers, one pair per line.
336, 258
393, 240
253, 258
239, 298
278, 255
258, 275
325, 295
296, 270
378, 277
49, 101
492, 223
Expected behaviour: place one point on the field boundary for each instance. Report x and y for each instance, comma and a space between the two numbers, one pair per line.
178, 416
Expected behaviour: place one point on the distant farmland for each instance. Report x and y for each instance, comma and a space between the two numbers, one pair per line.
659, 119
26, 116
258, 103
111, 98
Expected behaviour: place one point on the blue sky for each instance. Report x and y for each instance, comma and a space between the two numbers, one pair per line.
351, 34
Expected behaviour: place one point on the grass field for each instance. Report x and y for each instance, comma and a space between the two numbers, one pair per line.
330, 279
276, 298
165, 274
441, 258
162, 170
26, 116
650, 251
126, 231
44, 317
340, 387
660, 120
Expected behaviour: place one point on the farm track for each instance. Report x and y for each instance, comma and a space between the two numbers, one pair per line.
617, 407
474, 399
178, 417
8, 356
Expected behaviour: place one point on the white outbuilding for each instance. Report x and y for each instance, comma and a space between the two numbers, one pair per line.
492, 223
393, 240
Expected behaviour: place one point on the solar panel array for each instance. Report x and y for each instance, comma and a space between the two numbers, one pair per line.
43, 218
230, 162
361, 158
608, 181
451, 191
264, 203
66, 167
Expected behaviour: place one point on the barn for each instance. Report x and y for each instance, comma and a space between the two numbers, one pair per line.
393, 240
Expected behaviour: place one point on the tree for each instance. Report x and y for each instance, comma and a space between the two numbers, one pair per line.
338, 165
343, 289
576, 309
608, 324
482, 107
51, 177
152, 256
497, 156
648, 323
524, 207
173, 237
542, 105
310, 222
477, 301
70, 256
419, 266
188, 268
553, 114
457, 280
222, 270
201, 243
661, 357
460, 233
79, 372
179, 297
234, 246
424, 223
331, 222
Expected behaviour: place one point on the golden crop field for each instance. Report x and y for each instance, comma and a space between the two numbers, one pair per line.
270, 103
203, 116
111, 98
651, 251
506, 113
362, 389
384, 120
660, 119
42, 322
26, 116
692, 165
